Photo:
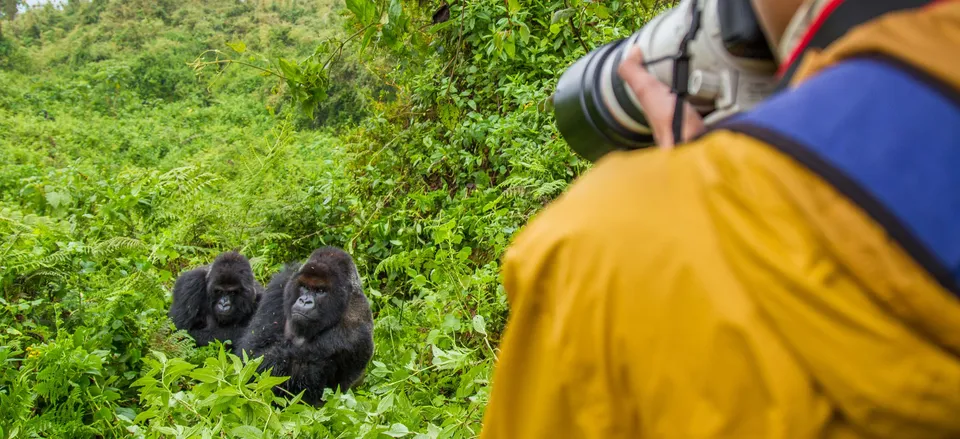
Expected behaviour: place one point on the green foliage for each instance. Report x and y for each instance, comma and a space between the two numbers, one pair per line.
139, 139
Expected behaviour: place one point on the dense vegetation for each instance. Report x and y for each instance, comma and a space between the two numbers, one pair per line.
140, 138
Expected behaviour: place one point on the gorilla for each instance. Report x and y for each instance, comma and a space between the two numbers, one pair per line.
216, 301
314, 325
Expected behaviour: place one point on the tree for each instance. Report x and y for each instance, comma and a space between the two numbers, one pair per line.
9, 8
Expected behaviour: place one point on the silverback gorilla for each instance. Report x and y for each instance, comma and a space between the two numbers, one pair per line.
216, 301
314, 325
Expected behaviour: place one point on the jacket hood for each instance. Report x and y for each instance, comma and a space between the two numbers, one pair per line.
809, 11
928, 39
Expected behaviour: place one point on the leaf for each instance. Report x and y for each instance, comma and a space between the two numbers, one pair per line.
385, 404
469, 381
510, 46
176, 368
561, 15
126, 413
432, 432
268, 382
58, 199
204, 376
447, 360
238, 46
514, 6
397, 430
602, 11
356, 6
290, 70
367, 36
228, 391
479, 324
420, 280
524, 32
150, 413
554, 28
247, 431
144, 382
394, 11
450, 323
364, 10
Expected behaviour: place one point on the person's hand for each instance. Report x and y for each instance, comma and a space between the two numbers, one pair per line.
657, 101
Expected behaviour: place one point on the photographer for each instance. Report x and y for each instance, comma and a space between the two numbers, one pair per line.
789, 273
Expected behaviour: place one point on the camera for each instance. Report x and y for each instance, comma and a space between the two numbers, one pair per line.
722, 65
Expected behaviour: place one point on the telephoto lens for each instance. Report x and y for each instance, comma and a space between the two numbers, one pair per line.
590, 115
596, 111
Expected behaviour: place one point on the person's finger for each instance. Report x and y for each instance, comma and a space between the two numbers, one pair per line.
646, 86
654, 97
657, 101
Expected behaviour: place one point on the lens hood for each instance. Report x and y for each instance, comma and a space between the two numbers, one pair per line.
583, 117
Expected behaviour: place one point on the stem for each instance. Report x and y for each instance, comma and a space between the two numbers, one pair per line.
456, 54
343, 43
233, 61
576, 30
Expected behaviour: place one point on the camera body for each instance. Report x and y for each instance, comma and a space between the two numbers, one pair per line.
731, 69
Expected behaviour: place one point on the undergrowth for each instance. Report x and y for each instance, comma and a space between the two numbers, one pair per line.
140, 138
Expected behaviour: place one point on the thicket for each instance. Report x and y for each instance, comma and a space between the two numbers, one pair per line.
141, 138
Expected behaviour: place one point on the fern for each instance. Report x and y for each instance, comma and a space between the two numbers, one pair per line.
114, 245
550, 189
394, 263
186, 180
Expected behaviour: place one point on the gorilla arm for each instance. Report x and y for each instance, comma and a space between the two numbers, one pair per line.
264, 334
212, 332
349, 345
189, 298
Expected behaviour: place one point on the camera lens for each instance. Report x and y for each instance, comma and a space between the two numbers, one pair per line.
594, 112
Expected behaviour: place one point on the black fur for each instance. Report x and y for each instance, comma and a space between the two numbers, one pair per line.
196, 293
328, 346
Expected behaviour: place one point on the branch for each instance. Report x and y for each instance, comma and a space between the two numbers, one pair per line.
576, 30
343, 43
200, 64
456, 54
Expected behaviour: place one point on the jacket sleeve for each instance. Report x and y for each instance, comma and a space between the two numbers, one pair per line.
549, 382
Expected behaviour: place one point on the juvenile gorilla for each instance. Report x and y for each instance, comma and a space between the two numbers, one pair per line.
216, 301
314, 325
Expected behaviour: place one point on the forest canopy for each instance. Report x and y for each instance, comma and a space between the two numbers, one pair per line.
139, 139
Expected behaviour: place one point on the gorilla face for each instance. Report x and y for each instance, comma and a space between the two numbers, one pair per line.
317, 296
231, 292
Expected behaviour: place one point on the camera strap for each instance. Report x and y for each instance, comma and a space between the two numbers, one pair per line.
681, 73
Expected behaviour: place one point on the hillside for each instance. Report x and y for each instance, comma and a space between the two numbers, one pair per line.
130, 154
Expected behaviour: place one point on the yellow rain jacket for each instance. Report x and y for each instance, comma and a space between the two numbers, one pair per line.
724, 290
